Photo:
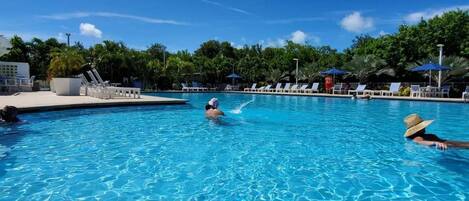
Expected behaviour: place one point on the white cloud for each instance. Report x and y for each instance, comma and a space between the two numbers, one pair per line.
238, 10
382, 33
66, 16
298, 37
88, 29
415, 17
356, 23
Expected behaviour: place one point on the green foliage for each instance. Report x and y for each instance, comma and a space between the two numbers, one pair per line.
368, 57
65, 62
404, 91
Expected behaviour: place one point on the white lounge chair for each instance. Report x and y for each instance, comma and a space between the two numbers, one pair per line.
414, 91
360, 89
185, 87
465, 94
285, 88
259, 89
253, 87
102, 90
314, 88
444, 91
98, 77
277, 87
301, 89
393, 89
292, 89
338, 88
267, 88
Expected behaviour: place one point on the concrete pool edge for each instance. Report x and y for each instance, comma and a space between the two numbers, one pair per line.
46, 101
400, 98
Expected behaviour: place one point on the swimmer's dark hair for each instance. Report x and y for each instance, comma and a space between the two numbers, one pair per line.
208, 107
8, 114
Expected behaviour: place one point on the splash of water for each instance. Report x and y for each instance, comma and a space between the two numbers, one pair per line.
239, 109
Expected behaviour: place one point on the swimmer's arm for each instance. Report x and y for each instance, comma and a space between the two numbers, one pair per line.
439, 145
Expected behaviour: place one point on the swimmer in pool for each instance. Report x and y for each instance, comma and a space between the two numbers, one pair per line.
9, 114
211, 109
416, 132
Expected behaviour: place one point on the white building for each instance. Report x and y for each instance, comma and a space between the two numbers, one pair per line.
14, 69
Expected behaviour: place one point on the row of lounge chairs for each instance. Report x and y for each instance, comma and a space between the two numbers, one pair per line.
287, 88
99, 88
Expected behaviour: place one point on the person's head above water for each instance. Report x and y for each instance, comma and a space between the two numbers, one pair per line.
213, 102
9, 113
415, 124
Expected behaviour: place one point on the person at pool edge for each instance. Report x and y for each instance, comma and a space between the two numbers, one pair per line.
211, 109
416, 132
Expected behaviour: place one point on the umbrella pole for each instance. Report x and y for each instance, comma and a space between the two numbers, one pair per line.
430, 80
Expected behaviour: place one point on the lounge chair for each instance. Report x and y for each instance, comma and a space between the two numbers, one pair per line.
98, 77
360, 89
267, 88
285, 88
302, 88
465, 94
253, 87
444, 91
414, 91
277, 87
259, 89
314, 88
292, 89
228, 87
393, 89
338, 88
102, 90
185, 87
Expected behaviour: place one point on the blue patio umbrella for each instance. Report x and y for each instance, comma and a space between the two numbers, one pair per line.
430, 67
233, 76
334, 72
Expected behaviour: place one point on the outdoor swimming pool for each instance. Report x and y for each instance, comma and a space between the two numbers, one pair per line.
278, 147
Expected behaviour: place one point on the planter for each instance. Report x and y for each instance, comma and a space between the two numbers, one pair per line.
51, 86
67, 86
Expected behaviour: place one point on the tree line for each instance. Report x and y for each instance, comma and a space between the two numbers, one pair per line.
383, 58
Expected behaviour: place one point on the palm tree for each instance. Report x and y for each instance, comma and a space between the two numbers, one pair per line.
65, 62
459, 67
274, 75
364, 66
310, 72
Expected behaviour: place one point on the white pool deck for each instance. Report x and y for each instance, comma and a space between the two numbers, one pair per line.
45, 100
406, 98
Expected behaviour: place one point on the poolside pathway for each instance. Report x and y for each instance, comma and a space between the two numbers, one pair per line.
46, 100
454, 100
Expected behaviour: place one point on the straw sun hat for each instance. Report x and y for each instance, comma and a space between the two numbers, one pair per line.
415, 123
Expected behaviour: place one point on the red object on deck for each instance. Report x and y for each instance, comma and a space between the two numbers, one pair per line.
328, 83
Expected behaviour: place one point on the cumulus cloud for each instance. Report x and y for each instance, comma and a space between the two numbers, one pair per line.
415, 17
382, 33
356, 23
88, 29
298, 37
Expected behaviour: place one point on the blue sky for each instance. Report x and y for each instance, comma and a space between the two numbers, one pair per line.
185, 24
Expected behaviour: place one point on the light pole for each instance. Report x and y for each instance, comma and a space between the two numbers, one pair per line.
68, 39
296, 72
440, 61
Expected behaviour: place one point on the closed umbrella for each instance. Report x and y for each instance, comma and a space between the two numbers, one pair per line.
4, 45
430, 67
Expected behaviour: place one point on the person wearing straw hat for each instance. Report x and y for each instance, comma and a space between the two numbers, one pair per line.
416, 132
211, 109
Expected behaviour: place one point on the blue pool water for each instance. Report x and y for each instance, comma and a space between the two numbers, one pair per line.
276, 148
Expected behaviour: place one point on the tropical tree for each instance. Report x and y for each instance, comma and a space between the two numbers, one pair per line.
363, 67
65, 62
